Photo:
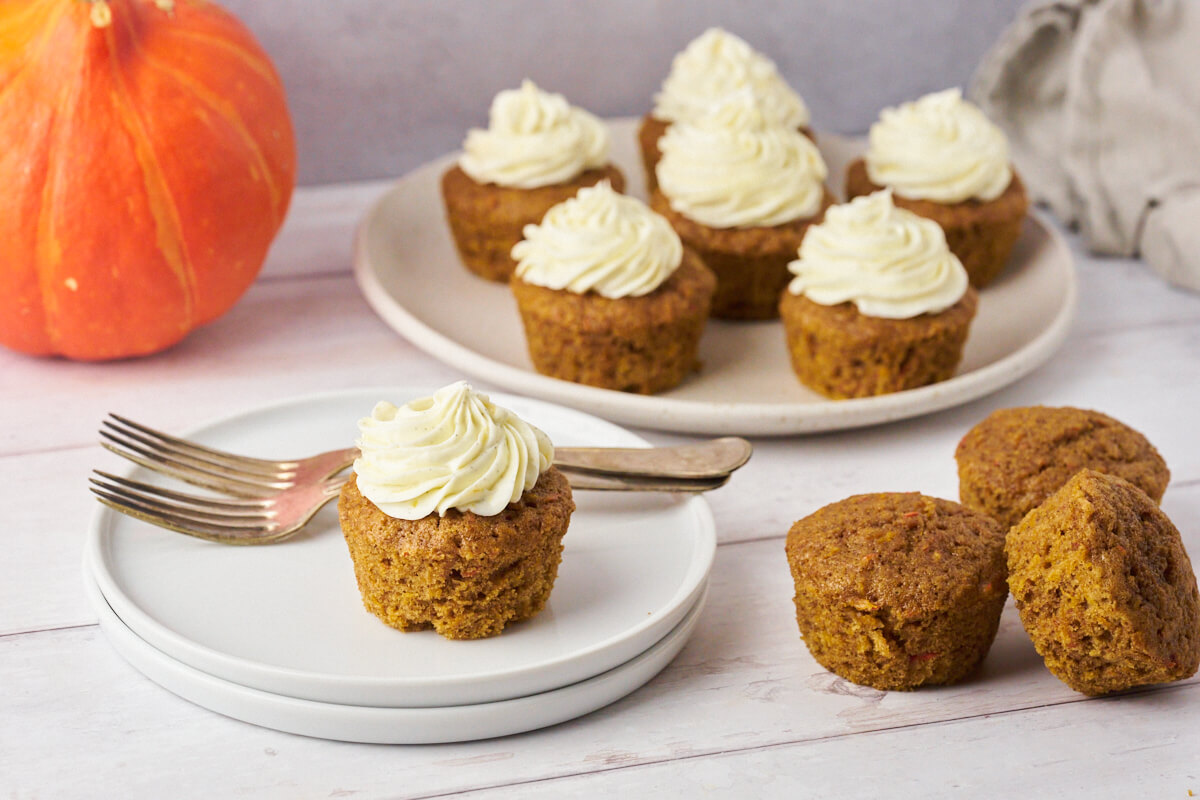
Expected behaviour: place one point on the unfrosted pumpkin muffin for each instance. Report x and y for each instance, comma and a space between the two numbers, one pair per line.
713, 65
943, 159
455, 516
897, 591
537, 151
609, 296
1017, 457
878, 303
1104, 587
741, 189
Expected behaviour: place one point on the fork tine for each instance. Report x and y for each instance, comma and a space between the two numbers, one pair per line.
193, 472
223, 533
123, 431
233, 506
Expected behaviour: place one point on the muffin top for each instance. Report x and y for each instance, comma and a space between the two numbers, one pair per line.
716, 64
453, 450
939, 148
736, 166
889, 262
534, 138
1017, 457
905, 552
599, 241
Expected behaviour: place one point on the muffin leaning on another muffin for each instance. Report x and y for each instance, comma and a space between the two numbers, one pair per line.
878, 303
897, 591
713, 65
536, 152
1104, 587
609, 296
1017, 457
455, 515
741, 190
943, 159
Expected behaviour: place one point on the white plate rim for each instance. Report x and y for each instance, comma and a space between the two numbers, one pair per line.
389, 725
692, 416
366, 690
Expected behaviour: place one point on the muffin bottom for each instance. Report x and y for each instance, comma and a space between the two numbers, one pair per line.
750, 263
841, 353
1104, 587
464, 575
982, 233
632, 344
897, 590
486, 220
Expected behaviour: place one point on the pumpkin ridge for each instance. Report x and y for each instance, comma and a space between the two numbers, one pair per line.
167, 225
249, 58
36, 51
47, 249
231, 116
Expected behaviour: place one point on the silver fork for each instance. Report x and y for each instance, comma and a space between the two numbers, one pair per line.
274, 499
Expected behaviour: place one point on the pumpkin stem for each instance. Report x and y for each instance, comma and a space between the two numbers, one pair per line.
101, 14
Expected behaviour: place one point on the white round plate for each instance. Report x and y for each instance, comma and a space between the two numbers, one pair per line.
288, 619
355, 723
407, 269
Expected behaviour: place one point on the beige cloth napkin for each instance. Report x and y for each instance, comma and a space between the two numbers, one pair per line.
1101, 103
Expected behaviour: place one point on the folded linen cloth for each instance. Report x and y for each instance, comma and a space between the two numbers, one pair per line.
1100, 100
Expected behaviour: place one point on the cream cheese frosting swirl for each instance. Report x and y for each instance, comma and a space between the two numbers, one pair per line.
534, 138
734, 166
939, 148
455, 449
889, 262
599, 241
717, 63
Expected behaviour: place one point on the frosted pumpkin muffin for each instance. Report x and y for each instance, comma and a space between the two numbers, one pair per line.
741, 189
943, 159
1104, 587
715, 64
1017, 457
878, 303
609, 296
897, 591
536, 151
454, 517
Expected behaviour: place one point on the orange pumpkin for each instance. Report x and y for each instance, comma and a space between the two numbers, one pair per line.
146, 163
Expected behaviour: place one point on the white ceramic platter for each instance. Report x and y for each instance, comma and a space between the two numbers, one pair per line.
287, 618
407, 268
356, 723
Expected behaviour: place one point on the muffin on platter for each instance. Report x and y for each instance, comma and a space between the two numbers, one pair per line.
1104, 587
537, 151
878, 303
741, 189
897, 590
609, 296
455, 515
1017, 457
945, 160
713, 65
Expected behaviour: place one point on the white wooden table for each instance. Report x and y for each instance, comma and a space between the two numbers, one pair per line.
742, 711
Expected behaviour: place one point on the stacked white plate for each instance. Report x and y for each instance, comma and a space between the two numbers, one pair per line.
277, 635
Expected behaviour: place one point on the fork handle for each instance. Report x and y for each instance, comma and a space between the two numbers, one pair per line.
712, 459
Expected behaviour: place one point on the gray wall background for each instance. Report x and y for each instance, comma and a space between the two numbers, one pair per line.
378, 87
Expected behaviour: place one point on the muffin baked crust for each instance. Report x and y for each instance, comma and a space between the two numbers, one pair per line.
897, 591
842, 353
640, 344
1104, 587
1017, 457
464, 575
